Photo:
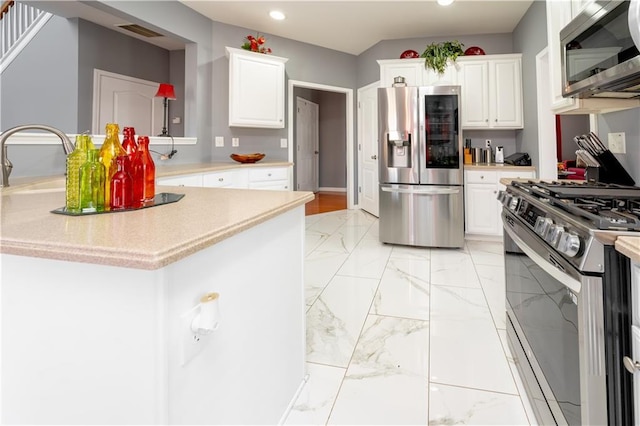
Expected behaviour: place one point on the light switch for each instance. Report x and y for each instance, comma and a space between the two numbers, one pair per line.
219, 141
283, 143
235, 141
176, 120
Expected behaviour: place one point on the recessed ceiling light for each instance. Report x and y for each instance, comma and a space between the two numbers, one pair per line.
277, 15
445, 2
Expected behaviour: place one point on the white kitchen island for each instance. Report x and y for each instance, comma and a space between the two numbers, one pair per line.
96, 310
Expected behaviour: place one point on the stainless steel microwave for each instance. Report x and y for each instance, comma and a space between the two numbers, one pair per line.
599, 55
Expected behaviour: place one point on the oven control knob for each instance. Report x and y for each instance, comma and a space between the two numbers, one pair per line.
501, 197
569, 244
553, 235
506, 199
542, 226
513, 203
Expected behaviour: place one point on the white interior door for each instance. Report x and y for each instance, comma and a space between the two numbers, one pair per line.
307, 145
368, 147
127, 101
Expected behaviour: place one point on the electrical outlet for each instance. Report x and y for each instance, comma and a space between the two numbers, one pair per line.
487, 143
235, 141
219, 141
617, 143
176, 120
283, 143
191, 344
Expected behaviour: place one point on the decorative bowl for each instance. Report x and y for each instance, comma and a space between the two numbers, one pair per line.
474, 50
247, 158
407, 54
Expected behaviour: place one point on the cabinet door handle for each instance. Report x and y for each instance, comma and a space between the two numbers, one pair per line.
631, 365
374, 157
316, 152
269, 174
220, 179
486, 120
481, 177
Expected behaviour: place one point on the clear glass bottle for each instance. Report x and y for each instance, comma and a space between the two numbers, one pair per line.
121, 186
144, 172
129, 142
92, 183
75, 160
110, 150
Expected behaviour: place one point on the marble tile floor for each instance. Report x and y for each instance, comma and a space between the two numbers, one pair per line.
403, 335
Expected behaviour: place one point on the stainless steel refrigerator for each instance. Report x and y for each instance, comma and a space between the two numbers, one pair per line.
421, 157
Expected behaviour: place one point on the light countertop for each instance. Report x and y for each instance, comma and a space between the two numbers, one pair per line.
630, 247
149, 238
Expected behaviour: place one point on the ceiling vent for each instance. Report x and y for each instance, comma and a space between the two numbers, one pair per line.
140, 30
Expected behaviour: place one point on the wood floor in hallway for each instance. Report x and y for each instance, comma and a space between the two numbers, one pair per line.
326, 202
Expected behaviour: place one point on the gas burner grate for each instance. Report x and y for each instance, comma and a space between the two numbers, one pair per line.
605, 206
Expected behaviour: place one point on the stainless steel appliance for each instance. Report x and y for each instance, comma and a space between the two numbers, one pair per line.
599, 57
420, 166
568, 298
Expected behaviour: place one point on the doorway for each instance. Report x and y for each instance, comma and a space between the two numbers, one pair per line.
349, 137
307, 145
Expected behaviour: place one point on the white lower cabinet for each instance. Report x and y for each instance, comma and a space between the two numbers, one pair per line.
275, 178
226, 179
482, 209
182, 180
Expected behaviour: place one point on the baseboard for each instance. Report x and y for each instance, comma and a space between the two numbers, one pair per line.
329, 189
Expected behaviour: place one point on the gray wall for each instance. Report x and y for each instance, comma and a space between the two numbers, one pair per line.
108, 50
571, 126
306, 63
629, 122
529, 38
333, 140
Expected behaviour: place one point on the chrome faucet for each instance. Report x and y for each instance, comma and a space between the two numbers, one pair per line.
67, 145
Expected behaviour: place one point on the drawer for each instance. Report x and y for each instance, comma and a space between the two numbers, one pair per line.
280, 185
218, 179
268, 174
517, 174
185, 180
481, 176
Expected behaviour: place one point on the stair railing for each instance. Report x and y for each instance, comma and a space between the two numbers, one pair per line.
19, 23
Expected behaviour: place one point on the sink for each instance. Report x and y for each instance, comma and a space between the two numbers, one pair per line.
36, 186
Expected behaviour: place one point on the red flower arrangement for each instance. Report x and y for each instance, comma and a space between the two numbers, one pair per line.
255, 44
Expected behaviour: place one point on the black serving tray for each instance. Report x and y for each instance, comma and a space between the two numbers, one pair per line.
159, 200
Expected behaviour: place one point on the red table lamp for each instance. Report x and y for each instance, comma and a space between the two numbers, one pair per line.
166, 91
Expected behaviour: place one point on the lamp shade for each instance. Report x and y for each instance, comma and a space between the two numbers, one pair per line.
166, 91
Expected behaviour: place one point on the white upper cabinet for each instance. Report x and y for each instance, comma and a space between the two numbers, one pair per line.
410, 69
491, 91
256, 89
474, 80
415, 73
491, 86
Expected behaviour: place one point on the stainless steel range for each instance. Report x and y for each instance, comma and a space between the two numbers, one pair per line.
568, 298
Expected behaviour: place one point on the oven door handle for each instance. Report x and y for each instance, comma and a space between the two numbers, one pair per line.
573, 284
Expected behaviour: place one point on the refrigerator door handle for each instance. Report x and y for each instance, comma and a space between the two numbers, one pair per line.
422, 190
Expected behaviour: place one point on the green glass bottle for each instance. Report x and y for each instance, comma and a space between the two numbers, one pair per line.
92, 184
75, 160
109, 151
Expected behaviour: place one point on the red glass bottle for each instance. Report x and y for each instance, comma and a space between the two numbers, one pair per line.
144, 169
129, 142
121, 186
